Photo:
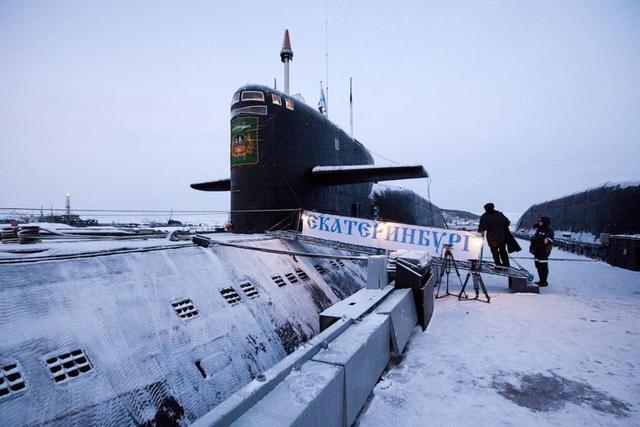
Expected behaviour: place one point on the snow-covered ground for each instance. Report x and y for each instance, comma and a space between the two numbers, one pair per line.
569, 356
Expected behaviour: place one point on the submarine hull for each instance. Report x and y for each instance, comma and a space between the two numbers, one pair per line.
157, 336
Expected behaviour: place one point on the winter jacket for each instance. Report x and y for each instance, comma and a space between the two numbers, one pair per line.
512, 243
540, 246
496, 225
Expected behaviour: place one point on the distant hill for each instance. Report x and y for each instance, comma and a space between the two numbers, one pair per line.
453, 213
456, 218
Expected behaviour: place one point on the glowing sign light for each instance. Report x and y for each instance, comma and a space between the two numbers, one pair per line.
390, 235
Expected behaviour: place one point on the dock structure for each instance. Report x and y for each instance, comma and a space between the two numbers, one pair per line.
327, 381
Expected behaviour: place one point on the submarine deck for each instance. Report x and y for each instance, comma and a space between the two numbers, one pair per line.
161, 330
57, 248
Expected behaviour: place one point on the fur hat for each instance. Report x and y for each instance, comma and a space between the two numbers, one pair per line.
546, 221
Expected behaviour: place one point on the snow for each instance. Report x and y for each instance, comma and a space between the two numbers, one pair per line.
634, 182
381, 189
119, 311
621, 184
355, 167
73, 247
569, 356
83, 245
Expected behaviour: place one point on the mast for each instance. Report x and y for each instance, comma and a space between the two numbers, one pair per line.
351, 106
326, 55
286, 55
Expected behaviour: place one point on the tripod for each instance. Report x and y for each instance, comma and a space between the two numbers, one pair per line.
448, 262
478, 283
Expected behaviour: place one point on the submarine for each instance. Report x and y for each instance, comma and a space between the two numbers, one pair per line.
142, 331
286, 156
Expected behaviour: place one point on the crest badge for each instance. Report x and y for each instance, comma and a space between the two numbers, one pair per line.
244, 141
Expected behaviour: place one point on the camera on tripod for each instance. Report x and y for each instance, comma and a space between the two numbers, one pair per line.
474, 267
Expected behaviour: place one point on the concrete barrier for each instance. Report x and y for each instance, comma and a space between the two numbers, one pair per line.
377, 276
362, 352
401, 309
328, 382
354, 306
311, 396
235, 406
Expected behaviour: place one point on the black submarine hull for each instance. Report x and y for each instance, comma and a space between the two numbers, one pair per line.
598, 210
276, 142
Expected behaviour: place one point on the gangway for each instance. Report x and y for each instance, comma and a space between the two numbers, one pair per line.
519, 278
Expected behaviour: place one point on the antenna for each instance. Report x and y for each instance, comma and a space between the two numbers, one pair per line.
326, 54
322, 103
286, 55
351, 106
275, 84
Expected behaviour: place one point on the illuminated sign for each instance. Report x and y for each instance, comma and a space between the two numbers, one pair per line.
466, 245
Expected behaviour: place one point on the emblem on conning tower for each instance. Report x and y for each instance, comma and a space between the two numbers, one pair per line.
244, 141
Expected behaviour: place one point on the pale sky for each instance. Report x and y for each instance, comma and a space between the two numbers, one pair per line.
125, 103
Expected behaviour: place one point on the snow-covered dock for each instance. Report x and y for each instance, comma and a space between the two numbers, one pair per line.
569, 356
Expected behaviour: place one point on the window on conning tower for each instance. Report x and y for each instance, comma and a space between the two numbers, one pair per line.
236, 98
289, 104
252, 95
276, 99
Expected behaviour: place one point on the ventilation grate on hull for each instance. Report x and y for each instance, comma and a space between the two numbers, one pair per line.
249, 290
278, 280
68, 365
291, 277
320, 269
302, 274
231, 296
185, 309
11, 380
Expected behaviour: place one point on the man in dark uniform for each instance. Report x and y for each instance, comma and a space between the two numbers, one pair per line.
497, 226
541, 245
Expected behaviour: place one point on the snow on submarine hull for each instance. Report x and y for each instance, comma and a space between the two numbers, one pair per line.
154, 336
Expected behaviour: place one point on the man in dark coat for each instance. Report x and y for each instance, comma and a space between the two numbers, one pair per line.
541, 245
497, 227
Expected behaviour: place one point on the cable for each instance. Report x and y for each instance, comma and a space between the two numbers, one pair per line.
206, 242
149, 211
552, 259
383, 157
